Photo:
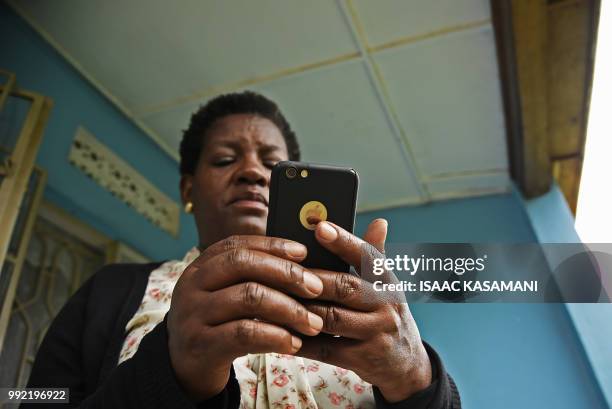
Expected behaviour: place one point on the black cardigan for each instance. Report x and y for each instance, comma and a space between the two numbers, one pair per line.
81, 349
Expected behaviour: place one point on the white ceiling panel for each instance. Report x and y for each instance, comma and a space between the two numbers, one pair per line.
434, 79
338, 121
150, 52
447, 95
469, 185
169, 124
389, 20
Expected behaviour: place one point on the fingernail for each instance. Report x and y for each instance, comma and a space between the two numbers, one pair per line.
327, 232
315, 321
296, 343
294, 249
313, 283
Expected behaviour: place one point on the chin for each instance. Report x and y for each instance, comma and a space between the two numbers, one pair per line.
250, 226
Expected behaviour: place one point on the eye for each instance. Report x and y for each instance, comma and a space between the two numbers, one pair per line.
223, 161
270, 163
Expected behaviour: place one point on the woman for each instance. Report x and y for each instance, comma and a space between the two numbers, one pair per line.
238, 321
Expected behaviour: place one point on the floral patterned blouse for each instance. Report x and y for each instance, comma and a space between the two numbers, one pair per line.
271, 380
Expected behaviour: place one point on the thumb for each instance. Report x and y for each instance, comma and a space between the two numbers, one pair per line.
376, 234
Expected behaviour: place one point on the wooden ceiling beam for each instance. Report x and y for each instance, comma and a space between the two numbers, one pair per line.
545, 51
520, 29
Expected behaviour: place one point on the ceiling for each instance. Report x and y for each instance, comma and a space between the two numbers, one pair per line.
408, 92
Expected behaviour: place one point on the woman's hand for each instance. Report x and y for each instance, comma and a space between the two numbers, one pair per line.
379, 339
210, 322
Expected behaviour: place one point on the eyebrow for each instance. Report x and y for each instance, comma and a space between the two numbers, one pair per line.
270, 148
232, 143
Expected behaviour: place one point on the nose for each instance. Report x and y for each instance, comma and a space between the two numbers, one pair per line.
253, 172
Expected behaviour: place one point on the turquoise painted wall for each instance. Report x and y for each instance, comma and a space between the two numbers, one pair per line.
502, 356
552, 222
41, 69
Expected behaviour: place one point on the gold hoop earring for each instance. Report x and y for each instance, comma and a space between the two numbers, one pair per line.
188, 207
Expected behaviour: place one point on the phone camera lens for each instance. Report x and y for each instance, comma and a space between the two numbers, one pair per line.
291, 173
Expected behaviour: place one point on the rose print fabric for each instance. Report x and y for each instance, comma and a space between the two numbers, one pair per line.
267, 381
278, 381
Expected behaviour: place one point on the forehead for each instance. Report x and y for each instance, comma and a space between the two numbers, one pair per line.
244, 129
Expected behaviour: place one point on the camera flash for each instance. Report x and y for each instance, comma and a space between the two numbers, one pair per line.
304, 173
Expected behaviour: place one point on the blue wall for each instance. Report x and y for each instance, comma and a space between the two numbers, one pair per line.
552, 222
76, 103
502, 356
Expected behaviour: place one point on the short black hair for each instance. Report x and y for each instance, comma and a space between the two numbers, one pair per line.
247, 102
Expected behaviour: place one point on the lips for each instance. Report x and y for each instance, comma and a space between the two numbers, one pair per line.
249, 196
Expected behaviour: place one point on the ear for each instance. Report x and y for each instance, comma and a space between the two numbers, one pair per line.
186, 186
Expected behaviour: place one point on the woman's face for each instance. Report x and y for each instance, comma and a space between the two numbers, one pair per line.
230, 187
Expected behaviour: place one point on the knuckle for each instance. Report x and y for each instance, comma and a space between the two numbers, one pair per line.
246, 330
346, 286
371, 253
188, 335
400, 310
332, 318
299, 313
252, 294
273, 244
266, 243
388, 324
191, 342
368, 255
350, 240
385, 343
238, 257
232, 243
295, 274
354, 240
